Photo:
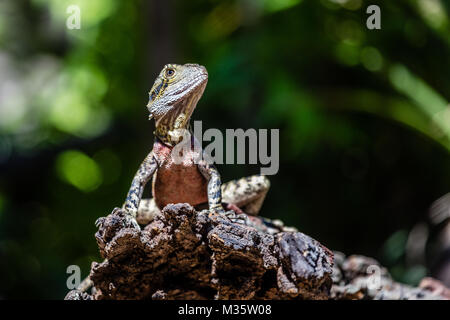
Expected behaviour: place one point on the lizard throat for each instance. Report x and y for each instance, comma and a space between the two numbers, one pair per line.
171, 127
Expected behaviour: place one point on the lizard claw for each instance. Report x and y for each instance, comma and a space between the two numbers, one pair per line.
135, 224
216, 212
99, 222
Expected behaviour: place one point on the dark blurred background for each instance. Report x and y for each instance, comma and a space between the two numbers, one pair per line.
364, 119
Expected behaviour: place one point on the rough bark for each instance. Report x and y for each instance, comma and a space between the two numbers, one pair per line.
186, 254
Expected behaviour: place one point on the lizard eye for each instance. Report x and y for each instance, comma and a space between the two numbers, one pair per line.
170, 72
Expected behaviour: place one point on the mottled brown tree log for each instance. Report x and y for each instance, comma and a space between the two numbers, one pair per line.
186, 254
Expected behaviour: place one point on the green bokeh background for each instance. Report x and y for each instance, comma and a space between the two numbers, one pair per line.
364, 118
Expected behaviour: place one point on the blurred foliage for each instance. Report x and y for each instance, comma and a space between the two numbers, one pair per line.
363, 114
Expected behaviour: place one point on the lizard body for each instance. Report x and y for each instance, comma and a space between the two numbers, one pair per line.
170, 176
173, 98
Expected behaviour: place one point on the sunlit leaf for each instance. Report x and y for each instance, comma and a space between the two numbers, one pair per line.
79, 170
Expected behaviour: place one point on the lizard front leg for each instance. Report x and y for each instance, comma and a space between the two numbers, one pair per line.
210, 172
212, 175
142, 176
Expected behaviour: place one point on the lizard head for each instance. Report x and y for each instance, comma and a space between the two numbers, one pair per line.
173, 98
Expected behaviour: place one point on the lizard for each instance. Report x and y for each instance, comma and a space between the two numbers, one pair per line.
172, 100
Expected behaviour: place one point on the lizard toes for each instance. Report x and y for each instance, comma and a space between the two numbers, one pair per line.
131, 222
99, 222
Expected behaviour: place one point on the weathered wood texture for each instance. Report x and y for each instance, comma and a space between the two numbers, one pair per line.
185, 254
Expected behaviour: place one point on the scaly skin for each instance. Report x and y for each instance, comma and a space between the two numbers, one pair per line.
173, 98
